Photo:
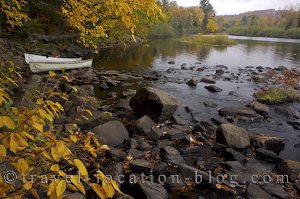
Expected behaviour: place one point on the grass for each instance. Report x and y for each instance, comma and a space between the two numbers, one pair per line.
277, 95
213, 40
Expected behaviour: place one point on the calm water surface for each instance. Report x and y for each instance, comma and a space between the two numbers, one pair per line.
249, 51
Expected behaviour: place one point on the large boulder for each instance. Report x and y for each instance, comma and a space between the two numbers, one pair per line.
155, 103
112, 133
233, 136
267, 142
260, 108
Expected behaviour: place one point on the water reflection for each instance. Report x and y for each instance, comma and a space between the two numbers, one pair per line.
157, 53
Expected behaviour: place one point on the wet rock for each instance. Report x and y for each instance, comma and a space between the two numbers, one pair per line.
213, 88
155, 134
192, 82
290, 168
171, 62
254, 192
184, 64
145, 124
129, 92
275, 190
233, 166
294, 123
219, 120
288, 112
136, 153
210, 104
208, 80
200, 177
117, 154
280, 68
239, 112
233, 93
233, 136
220, 72
234, 155
141, 166
112, 133
267, 155
267, 142
188, 109
150, 190
155, 103
172, 156
174, 134
260, 108
160, 168
180, 121
175, 183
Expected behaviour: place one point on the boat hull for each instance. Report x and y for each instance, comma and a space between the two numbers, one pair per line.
38, 67
38, 58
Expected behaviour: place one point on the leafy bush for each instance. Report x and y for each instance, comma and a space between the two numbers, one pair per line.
277, 95
28, 141
162, 30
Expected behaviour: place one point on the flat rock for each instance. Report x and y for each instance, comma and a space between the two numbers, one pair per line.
112, 133
155, 103
267, 142
255, 192
290, 168
151, 190
275, 190
233, 136
192, 82
233, 166
267, 155
239, 112
172, 155
208, 80
294, 123
213, 89
141, 165
160, 168
259, 168
260, 108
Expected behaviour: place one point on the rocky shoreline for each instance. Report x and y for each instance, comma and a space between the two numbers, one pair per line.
217, 159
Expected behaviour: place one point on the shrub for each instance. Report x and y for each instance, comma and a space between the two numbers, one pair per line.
277, 95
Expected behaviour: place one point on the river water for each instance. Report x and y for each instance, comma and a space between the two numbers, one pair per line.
249, 51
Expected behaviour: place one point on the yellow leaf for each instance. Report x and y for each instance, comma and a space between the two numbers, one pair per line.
114, 184
55, 168
76, 181
81, 168
7, 122
98, 190
60, 188
27, 185
108, 188
2, 151
52, 189
73, 138
34, 193
52, 74
46, 155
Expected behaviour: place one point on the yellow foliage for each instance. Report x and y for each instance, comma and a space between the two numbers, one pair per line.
212, 26
7, 122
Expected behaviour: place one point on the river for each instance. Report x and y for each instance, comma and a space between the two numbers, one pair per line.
249, 51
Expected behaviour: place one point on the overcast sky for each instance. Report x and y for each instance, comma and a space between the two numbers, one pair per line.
238, 6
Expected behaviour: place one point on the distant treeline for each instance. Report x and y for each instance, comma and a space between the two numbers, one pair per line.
268, 23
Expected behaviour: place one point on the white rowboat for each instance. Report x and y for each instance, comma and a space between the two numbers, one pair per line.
38, 67
38, 58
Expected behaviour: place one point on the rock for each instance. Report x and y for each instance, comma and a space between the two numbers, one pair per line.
254, 192
208, 80
234, 155
192, 82
220, 72
213, 88
288, 112
128, 93
198, 176
111, 83
233, 166
172, 156
259, 168
117, 154
115, 171
123, 105
275, 190
175, 183
155, 103
267, 155
212, 163
145, 124
75, 195
210, 104
171, 62
112, 133
233, 136
144, 146
290, 168
98, 118
239, 112
297, 185
141, 166
160, 168
174, 134
180, 121
150, 190
260, 108
112, 94
86, 90
267, 142
294, 123
155, 134
188, 109
136, 153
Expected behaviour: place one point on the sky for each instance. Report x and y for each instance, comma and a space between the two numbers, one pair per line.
224, 7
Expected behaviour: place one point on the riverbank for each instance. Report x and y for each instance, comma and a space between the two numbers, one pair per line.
232, 159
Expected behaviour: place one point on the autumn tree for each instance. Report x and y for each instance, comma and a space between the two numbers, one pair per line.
208, 11
212, 26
